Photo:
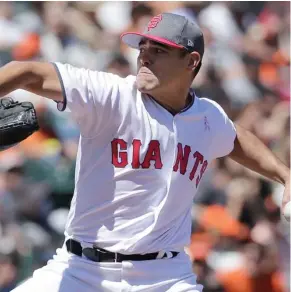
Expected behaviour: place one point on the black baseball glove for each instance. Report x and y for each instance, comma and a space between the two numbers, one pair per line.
17, 122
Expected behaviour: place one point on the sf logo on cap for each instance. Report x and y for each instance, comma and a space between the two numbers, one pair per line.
154, 21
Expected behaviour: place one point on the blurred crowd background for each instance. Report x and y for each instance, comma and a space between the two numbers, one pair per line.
240, 242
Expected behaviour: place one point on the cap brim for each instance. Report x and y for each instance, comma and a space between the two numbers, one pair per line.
133, 40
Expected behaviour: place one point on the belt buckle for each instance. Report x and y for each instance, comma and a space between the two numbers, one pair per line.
99, 251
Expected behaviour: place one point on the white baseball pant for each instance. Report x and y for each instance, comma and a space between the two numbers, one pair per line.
70, 273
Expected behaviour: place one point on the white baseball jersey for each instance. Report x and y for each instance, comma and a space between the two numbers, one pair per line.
138, 166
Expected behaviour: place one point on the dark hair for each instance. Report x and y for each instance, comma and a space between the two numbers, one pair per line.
196, 70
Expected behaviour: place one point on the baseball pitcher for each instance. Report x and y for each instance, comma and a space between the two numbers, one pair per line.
145, 144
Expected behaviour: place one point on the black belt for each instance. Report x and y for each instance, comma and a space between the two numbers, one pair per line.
96, 254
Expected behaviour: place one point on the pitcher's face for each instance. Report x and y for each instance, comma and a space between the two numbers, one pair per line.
159, 66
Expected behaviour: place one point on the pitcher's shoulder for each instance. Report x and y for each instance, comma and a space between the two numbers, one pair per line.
209, 105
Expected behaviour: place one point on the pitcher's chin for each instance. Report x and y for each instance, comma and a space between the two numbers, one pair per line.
145, 87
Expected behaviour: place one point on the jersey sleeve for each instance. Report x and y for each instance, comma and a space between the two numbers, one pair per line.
90, 96
225, 133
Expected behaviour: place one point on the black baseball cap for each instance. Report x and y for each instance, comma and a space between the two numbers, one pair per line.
172, 30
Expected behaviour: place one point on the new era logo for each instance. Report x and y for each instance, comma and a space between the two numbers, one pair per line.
190, 43
154, 21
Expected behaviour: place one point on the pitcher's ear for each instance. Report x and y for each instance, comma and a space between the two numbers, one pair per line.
194, 60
